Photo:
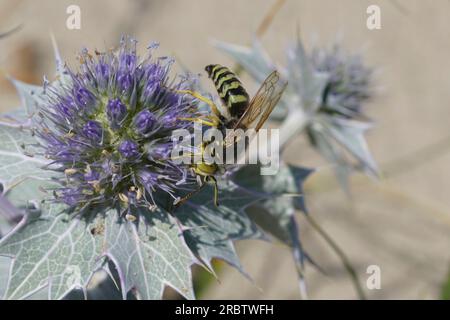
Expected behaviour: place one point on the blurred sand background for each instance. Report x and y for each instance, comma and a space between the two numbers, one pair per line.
401, 223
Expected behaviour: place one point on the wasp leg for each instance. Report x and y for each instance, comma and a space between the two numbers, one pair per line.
212, 123
216, 189
204, 99
179, 202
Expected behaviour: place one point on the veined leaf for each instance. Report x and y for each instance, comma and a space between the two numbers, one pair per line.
30, 95
18, 158
283, 193
338, 140
149, 254
5, 263
49, 250
61, 253
211, 230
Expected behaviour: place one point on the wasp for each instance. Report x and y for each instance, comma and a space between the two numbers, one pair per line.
238, 112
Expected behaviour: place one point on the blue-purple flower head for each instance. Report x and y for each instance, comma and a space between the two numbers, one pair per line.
349, 81
108, 129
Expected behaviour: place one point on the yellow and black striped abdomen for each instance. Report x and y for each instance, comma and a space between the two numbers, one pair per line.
230, 89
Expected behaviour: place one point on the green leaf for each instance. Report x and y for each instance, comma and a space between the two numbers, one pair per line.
25, 179
211, 230
150, 254
445, 291
275, 213
5, 263
350, 134
31, 96
304, 81
340, 141
18, 158
49, 250
53, 251
254, 59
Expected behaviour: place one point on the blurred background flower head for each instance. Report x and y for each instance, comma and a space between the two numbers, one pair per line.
326, 94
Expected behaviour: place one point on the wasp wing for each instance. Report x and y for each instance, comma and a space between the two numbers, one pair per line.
264, 101
261, 105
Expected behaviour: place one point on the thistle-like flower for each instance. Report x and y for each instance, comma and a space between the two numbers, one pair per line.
108, 129
337, 124
348, 84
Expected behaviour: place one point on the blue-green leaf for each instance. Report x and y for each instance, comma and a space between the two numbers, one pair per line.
254, 59
337, 139
257, 63
49, 251
31, 96
283, 193
62, 254
211, 230
18, 158
304, 82
149, 254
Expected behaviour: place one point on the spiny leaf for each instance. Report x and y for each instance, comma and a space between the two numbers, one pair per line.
254, 59
283, 193
337, 139
33, 95
257, 63
25, 178
5, 263
18, 158
49, 250
350, 134
30, 95
304, 81
288, 182
53, 251
149, 254
212, 230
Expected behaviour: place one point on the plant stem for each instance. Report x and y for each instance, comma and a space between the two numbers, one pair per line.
263, 26
294, 123
267, 21
345, 261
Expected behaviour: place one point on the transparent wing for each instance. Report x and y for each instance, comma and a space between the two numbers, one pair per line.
262, 104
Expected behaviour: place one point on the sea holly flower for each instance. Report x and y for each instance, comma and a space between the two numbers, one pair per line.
348, 86
102, 123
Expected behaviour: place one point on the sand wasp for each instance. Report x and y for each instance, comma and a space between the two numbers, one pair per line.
239, 113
